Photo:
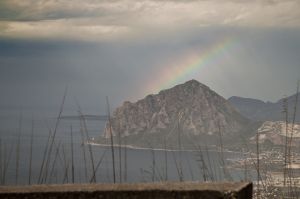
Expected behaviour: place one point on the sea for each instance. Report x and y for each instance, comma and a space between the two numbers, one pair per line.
25, 145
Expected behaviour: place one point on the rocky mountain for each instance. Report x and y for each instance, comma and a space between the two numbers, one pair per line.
258, 110
276, 132
191, 107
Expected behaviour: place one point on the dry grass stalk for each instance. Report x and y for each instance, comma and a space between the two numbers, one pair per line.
202, 164
66, 166
210, 166
54, 161
111, 140
153, 164
30, 153
83, 151
292, 188
223, 164
72, 156
48, 159
85, 130
6, 161
285, 111
1, 162
125, 159
89, 148
120, 157
44, 158
166, 159
18, 148
258, 165
97, 166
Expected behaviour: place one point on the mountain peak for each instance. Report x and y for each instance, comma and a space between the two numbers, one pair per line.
188, 88
192, 82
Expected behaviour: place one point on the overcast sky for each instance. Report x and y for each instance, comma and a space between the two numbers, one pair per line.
121, 48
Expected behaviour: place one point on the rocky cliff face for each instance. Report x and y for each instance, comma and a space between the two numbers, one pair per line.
192, 106
275, 132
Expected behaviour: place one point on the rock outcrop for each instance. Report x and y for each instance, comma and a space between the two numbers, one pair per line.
192, 107
276, 133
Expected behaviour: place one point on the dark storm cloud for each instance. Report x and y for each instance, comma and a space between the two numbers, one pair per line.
42, 10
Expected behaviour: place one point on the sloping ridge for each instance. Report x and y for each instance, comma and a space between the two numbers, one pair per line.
258, 110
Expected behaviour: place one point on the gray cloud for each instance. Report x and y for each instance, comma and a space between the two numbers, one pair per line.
101, 20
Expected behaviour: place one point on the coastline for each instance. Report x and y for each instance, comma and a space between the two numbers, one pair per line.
155, 149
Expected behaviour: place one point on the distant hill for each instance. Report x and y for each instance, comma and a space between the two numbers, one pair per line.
258, 110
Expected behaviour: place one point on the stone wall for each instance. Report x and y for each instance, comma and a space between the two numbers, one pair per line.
187, 190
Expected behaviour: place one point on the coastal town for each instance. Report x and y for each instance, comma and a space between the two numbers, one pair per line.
273, 177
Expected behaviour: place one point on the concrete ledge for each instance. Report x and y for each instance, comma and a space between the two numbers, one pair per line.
187, 190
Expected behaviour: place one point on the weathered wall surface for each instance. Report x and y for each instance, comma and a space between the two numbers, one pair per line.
131, 191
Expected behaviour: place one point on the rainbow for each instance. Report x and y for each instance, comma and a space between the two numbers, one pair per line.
190, 64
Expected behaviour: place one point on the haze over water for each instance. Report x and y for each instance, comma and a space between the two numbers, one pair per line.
139, 161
